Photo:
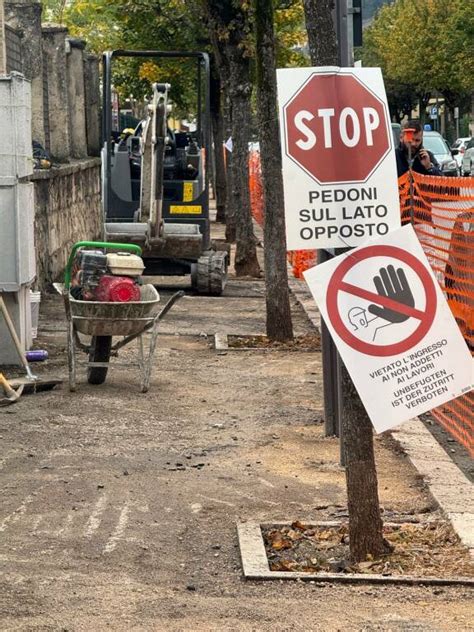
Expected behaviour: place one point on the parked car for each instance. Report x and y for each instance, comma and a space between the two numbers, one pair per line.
435, 143
396, 131
467, 165
458, 148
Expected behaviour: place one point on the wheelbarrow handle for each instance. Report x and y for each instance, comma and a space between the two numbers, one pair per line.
95, 244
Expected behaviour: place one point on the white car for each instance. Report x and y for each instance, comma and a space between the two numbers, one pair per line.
467, 165
436, 144
458, 148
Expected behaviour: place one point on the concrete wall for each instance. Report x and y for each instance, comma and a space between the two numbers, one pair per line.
3, 52
54, 58
76, 98
25, 16
92, 97
67, 210
64, 79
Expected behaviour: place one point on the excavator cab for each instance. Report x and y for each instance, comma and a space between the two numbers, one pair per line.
155, 185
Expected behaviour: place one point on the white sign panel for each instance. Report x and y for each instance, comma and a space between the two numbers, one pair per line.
339, 168
393, 328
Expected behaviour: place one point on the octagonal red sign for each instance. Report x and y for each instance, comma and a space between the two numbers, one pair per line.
336, 129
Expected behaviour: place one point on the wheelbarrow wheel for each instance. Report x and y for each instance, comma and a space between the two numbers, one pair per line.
99, 352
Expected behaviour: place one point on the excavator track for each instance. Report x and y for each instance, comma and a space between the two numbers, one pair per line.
210, 274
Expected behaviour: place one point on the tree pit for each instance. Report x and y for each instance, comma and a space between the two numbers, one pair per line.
308, 342
430, 549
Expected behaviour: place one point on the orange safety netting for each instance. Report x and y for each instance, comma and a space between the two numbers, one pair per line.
302, 260
256, 188
441, 210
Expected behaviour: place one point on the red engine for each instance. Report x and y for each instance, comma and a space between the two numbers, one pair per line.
117, 289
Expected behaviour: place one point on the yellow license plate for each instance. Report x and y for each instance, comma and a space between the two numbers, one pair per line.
185, 210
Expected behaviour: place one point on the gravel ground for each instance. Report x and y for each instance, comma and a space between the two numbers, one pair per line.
119, 509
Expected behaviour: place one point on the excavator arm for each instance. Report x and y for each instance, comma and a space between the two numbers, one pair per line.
153, 144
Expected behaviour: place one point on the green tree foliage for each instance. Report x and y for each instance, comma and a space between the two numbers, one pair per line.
166, 25
138, 25
53, 11
290, 34
424, 44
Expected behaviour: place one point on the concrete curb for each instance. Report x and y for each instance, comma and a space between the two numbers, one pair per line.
221, 342
255, 565
300, 291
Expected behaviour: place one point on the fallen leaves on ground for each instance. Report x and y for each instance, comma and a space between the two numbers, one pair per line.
308, 342
428, 549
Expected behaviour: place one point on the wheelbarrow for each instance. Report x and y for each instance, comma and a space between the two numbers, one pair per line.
103, 320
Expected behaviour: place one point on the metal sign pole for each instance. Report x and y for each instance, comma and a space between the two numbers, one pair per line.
329, 358
344, 48
344, 30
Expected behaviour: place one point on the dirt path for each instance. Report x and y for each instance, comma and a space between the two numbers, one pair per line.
119, 509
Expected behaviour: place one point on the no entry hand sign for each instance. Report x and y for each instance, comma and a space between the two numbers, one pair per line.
338, 168
390, 299
393, 328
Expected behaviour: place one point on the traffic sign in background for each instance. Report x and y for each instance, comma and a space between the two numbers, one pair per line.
393, 328
339, 169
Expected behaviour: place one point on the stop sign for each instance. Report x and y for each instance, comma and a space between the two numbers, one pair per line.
336, 128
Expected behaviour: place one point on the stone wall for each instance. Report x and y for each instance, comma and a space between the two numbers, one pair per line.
68, 209
64, 77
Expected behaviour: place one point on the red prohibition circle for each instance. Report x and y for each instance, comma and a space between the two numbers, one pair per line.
334, 287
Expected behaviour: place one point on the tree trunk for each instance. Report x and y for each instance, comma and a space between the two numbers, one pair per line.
450, 101
365, 522
230, 227
216, 16
321, 34
246, 263
278, 312
229, 23
220, 190
424, 99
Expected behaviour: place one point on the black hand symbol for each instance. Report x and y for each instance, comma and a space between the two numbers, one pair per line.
392, 284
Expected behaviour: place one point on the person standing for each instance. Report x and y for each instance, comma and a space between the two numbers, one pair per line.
423, 160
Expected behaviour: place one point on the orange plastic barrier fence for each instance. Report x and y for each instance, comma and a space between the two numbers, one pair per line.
442, 212
302, 260
256, 188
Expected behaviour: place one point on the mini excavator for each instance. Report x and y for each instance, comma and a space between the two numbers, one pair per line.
155, 185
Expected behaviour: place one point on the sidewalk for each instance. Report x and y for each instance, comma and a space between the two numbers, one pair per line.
120, 509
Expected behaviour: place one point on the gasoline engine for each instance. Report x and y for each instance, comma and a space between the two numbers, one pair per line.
112, 277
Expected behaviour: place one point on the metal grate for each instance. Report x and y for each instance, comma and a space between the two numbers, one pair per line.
13, 50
